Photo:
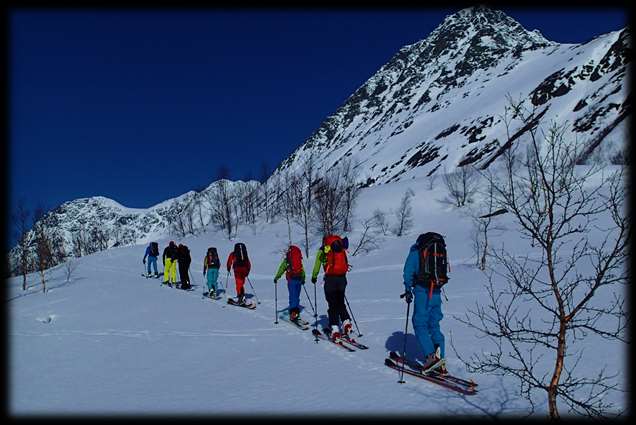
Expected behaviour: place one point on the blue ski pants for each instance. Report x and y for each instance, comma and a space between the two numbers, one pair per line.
153, 261
427, 314
213, 277
294, 288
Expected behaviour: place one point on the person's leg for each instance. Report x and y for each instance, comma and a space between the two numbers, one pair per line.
153, 260
435, 316
331, 295
215, 278
294, 296
166, 270
343, 314
173, 271
421, 321
240, 282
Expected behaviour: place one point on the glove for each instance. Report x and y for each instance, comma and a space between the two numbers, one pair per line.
314, 280
408, 295
275, 280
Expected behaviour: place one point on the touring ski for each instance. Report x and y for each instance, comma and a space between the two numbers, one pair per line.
207, 296
434, 378
324, 337
231, 301
353, 342
418, 367
299, 323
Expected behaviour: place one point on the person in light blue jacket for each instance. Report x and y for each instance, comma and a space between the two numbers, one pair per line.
427, 312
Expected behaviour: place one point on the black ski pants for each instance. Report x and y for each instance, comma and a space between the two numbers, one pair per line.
183, 273
335, 293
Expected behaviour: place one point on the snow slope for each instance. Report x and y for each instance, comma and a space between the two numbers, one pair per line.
112, 342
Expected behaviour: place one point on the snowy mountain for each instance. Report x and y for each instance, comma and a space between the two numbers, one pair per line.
438, 103
97, 223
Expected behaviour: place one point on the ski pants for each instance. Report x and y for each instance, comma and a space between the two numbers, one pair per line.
335, 293
170, 271
213, 277
239, 278
183, 273
152, 260
294, 288
427, 313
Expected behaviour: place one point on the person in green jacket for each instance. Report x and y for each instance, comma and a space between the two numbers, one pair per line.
332, 256
292, 266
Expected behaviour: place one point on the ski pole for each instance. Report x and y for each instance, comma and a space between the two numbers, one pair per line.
275, 303
352, 316
315, 315
406, 329
250, 282
309, 299
225, 289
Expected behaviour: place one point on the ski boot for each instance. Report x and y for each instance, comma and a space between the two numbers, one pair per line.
335, 334
294, 315
432, 362
346, 327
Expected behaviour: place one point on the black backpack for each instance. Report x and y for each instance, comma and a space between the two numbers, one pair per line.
216, 263
433, 260
240, 255
154, 249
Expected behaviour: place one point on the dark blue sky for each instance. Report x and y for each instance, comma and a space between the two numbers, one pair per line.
141, 106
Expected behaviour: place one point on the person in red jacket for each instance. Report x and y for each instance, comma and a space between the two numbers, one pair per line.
240, 263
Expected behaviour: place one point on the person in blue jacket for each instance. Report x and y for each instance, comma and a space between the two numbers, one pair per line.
152, 253
427, 312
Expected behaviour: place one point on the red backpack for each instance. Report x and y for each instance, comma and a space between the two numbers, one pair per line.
337, 264
294, 261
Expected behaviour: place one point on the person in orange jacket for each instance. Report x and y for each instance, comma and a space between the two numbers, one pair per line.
240, 263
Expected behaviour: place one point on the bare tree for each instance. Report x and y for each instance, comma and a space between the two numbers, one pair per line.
369, 239
351, 191
566, 286
303, 200
483, 216
69, 267
462, 185
328, 212
404, 214
380, 220
24, 255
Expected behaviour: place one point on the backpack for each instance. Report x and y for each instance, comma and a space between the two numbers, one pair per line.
434, 266
337, 263
215, 263
294, 261
154, 249
240, 255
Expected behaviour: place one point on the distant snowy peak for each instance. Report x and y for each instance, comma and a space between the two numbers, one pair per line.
437, 103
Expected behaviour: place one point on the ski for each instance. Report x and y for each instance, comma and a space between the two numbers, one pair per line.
434, 378
322, 336
300, 324
417, 367
206, 295
231, 301
346, 340
355, 343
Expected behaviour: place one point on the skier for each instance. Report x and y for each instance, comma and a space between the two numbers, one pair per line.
211, 265
424, 274
152, 252
292, 265
184, 260
333, 256
170, 264
240, 263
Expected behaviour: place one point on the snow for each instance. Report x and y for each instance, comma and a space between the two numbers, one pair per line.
110, 341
